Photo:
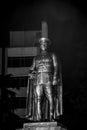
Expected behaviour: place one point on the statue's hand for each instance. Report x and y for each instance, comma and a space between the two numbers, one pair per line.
54, 82
32, 74
30, 69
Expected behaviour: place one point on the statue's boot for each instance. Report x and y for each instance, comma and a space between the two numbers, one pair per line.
51, 117
29, 117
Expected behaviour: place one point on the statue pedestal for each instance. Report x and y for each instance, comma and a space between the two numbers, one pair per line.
42, 126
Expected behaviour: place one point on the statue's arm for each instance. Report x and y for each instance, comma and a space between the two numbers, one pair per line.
31, 69
33, 65
55, 65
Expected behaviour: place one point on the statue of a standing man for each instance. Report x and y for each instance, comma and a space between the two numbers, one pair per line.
46, 67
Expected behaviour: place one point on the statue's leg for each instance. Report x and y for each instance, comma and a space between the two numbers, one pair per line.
48, 93
38, 98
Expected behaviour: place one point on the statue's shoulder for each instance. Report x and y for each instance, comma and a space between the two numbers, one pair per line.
55, 57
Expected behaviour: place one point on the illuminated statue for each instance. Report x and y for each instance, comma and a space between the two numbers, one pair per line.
44, 89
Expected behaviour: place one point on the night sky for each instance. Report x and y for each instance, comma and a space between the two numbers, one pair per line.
67, 28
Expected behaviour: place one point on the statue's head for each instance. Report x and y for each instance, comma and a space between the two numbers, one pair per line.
44, 42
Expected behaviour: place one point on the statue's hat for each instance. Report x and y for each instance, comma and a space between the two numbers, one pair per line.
44, 33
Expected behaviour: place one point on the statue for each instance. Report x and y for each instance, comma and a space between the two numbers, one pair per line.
44, 83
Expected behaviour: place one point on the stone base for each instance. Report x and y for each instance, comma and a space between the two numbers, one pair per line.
42, 126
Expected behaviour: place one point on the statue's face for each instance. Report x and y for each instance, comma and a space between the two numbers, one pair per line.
43, 46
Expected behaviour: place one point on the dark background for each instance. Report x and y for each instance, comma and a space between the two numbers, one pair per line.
67, 28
